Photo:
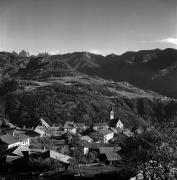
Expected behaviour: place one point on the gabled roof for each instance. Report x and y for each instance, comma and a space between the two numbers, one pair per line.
44, 123
105, 132
69, 124
100, 124
117, 129
9, 139
42, 128
95, 135
60, 157
111, 153
113, 156
91, 145
21, 136
86, 138
100, 133
113, 122
10, 158
20, 149
80, 125
109, 149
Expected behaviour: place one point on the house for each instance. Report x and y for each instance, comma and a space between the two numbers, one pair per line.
25, 140
12, 141
127, 132
117, 130
86, 150
41, 130
116, 123
70, 127
96, 136
99, 126
20, 149
11, 158
107, 134
103, 135
87, 138
120, 124
44, 123
111, 153
54, 131
90, 146
81, 126
60, 157
27, 135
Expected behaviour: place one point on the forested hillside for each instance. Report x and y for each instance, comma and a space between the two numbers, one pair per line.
51, 88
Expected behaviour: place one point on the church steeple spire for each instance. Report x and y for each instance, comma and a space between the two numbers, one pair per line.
112, 114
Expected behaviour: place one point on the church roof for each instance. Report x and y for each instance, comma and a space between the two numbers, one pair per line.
113, 122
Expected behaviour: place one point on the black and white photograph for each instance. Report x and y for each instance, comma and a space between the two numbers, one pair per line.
88, 89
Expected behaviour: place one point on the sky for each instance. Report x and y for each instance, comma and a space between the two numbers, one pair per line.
97, 26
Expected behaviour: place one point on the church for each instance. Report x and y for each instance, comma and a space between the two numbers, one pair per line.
116, 123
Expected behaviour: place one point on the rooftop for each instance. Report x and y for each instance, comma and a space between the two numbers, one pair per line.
111, 153
22, 137
69, 124
113, 122
105, 132
9, 139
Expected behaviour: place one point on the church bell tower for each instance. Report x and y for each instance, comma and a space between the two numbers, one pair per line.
112, 114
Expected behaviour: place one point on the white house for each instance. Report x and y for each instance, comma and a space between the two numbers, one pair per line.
41, 130
60, 157
120, 124
86, 150
107, 135
70, 127
12, 141
44, 123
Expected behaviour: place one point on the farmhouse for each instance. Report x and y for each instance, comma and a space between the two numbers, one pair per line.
12, 141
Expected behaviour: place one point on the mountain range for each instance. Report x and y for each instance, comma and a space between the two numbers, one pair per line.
57, 88
148, 69
154, 70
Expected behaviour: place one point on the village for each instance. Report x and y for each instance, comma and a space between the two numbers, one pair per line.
74, 147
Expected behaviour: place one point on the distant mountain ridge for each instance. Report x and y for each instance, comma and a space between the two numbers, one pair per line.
148, 69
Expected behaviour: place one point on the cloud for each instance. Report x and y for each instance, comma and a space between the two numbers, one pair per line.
96, 51
169, 40
54, 52
102, 52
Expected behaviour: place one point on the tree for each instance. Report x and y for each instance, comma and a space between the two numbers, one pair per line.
23, 53
152, 154
43, 54
15, 53
92, 156
77, 154
135, 155
8, 85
